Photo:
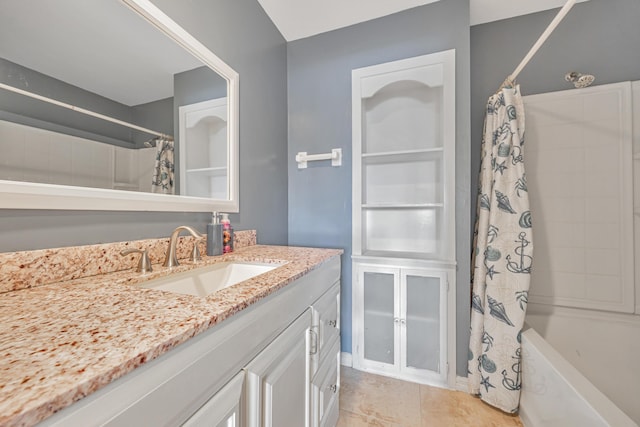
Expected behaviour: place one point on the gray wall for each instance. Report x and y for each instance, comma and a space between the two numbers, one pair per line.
599, 37
156, 115
28, 111
319, 74
243, 36
240, 33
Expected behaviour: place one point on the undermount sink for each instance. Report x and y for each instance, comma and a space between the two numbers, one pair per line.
207, 280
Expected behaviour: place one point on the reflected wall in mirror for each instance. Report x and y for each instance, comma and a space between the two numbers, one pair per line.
72, 52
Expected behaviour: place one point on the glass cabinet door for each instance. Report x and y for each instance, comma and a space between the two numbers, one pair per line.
423, 305
379, 316
400, 321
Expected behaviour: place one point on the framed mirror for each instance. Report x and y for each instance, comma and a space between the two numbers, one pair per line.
95, 126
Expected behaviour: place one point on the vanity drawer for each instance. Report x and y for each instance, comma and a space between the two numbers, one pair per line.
326, 319
325, 388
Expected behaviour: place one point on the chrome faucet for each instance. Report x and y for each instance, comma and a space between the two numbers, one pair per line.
171, 259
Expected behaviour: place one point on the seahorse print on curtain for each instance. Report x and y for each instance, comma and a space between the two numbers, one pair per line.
502, 257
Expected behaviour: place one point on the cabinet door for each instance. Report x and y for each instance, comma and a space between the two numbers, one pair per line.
277, 392
223, 409
422, 325
325, 388
376, 311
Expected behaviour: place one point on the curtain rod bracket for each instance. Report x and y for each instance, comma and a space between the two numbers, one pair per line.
543, 37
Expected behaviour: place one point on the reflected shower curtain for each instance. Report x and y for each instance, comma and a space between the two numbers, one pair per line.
502, 256
162, 181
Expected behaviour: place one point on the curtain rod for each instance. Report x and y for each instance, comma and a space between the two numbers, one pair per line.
534, 49
83, 111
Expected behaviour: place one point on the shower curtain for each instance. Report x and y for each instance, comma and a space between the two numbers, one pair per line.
502, 256
162, 181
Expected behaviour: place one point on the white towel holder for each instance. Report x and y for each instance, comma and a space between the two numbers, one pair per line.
335, 156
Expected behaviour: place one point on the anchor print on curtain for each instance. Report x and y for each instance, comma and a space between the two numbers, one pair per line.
502, 257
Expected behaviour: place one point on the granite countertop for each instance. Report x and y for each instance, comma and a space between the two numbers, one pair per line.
62, 341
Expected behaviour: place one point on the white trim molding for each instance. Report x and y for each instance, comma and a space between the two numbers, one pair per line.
346, 359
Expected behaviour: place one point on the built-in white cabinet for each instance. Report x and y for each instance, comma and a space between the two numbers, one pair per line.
204, 155
403, 158
400, 316
404, 217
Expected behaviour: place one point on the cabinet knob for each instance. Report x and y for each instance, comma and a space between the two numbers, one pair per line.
333, 323
333, 388
396, 320
403, 321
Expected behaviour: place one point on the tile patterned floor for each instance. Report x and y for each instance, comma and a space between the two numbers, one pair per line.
372, 400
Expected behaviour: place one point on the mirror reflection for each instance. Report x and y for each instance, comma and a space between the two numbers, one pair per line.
100, 56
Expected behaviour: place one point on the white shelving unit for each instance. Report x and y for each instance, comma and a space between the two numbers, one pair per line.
204, 157
403, 218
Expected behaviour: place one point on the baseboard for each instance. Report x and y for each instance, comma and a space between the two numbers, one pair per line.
346, 359
462, 384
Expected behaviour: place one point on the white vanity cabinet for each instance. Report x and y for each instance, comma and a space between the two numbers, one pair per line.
306, 356
252, 369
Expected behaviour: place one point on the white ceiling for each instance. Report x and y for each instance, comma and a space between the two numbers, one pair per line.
483, 11
297, 19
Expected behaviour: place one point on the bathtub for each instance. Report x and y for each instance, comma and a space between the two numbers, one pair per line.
555, 394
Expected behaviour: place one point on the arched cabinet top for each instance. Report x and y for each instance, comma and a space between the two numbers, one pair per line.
427, 70
429, 76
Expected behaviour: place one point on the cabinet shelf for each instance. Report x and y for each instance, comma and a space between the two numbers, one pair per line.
124, 185
222, 170
401, 255
424, 319
376, 312
403, 156
402, 206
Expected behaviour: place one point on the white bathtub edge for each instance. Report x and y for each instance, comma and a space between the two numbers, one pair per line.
611, 415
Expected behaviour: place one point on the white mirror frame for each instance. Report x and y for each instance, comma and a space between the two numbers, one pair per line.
27, 195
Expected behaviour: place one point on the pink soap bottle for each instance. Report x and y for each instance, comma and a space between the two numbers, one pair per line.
227, 234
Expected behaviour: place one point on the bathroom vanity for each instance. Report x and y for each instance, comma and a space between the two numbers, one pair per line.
265, 351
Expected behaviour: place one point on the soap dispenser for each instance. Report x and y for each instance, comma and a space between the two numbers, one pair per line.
227, 234
214, 236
